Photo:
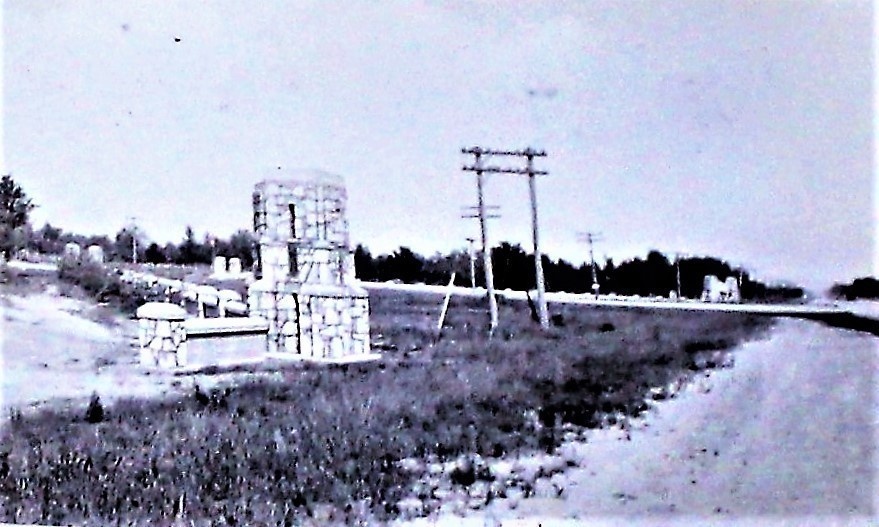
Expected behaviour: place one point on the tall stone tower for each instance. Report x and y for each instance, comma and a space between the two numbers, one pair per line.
305, 283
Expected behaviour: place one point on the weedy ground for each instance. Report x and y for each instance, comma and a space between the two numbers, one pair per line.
302, 439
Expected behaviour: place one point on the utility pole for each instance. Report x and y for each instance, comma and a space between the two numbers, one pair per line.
529, 155
486, 252
591, 238
133, 239
678, 272
470, 242
471, 212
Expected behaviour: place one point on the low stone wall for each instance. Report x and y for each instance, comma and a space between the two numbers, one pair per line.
224, 341
168, 340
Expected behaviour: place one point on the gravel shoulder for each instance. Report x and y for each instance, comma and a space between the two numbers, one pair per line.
785, 437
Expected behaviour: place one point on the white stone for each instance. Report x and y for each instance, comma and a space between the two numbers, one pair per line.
160, 311
289, 329
337, 348
219, 266
96, 253
318, 348
235, 266
72, 250
305, 347
331, 318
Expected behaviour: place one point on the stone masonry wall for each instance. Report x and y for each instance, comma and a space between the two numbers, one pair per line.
162, 343
334, 327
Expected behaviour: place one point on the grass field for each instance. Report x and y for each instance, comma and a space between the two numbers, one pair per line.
310, 441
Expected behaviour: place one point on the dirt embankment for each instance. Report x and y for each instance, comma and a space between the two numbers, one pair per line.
53, 352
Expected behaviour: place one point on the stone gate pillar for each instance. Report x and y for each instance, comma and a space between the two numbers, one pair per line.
162, 335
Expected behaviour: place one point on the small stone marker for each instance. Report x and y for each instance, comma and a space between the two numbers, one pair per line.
235, 266
72, 250
219, 265
96, 253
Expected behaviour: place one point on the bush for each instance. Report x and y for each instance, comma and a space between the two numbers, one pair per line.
95, 411
103, 285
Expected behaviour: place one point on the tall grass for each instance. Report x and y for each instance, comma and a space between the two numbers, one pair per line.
314, 438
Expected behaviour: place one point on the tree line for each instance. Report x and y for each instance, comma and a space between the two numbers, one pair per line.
865, 287
513, 267
190, 250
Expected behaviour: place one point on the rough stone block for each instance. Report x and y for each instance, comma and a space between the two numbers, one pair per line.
289, 329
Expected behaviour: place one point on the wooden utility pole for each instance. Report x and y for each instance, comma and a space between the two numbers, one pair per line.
591, 238
470, 252
678, 273
538, 257
529, 155
490, 213
486, 252
134, 239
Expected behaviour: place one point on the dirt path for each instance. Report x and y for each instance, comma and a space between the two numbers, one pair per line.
785, 437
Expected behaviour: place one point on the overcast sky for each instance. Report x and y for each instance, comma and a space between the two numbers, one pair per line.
739, 129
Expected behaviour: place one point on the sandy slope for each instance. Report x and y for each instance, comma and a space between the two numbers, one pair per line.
787, 436
52, 354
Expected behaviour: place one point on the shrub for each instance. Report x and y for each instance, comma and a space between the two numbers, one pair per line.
103, 285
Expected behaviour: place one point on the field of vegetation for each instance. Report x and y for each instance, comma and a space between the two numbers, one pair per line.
338, 441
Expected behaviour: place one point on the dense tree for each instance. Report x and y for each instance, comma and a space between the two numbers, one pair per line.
126, 241
48, 240
864, 287
513, 267
363, 264
405, 265
154, 254
15, 208
242, 245
191, 251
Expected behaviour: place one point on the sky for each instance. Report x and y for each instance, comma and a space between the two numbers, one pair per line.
738, 129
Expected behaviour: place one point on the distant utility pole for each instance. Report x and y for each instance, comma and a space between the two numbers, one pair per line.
470, 213
678, 273
529, 155
591, 238
486, 252
134, 239
470, 251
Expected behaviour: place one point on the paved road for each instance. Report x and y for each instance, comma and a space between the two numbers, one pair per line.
787, 437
